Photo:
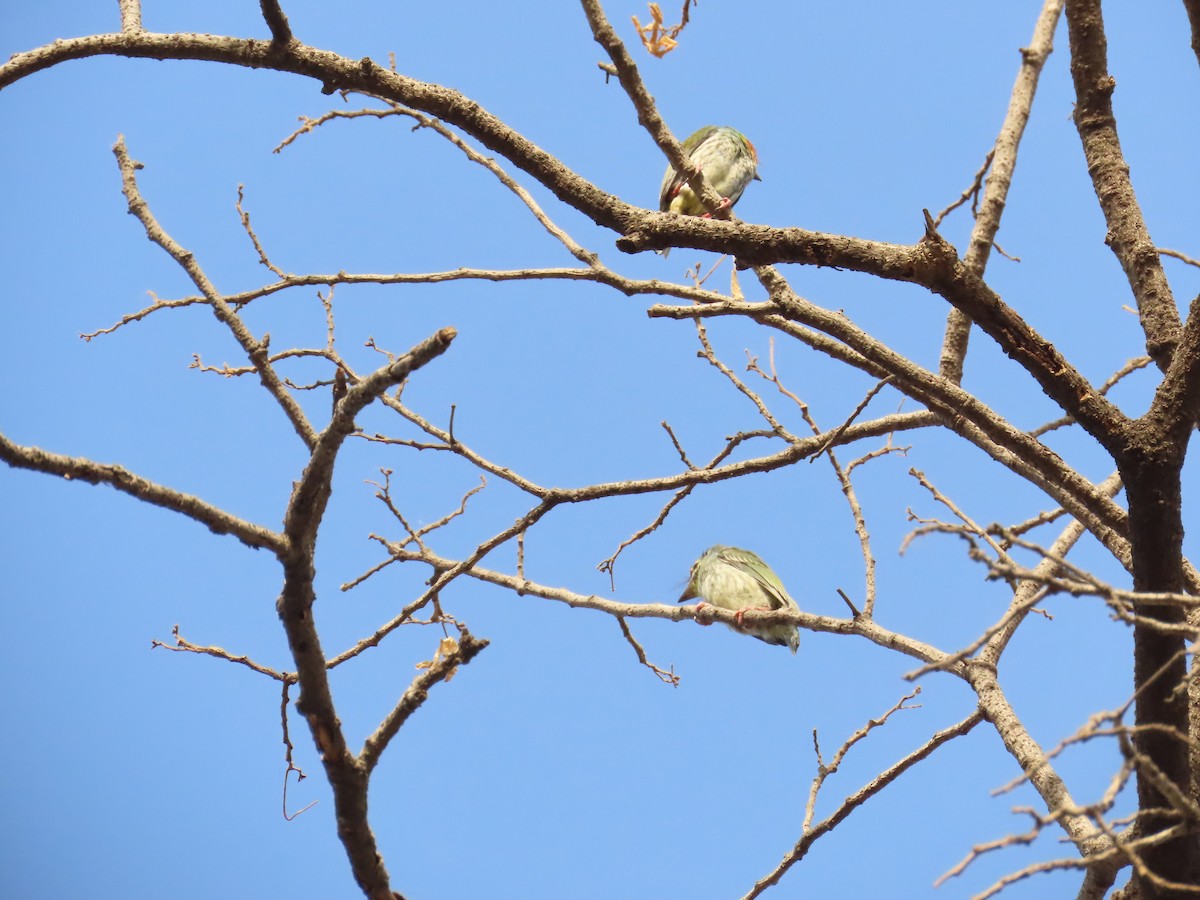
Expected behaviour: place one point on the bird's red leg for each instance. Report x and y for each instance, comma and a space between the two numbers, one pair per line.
745, 609
721, 211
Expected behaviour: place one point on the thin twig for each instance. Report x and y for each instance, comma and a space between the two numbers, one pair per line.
669, 677
184, 646
859, 797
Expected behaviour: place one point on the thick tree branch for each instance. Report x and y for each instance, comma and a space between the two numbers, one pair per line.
1153, 489
348, 775
131, 15
1128, 236
1060, 381
1193, 14
1176, 405
77, 468
281, 32
753, 244
337, 73
306, 507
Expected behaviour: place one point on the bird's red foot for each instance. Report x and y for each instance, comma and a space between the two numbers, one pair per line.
721, 211
703, 618
745, 609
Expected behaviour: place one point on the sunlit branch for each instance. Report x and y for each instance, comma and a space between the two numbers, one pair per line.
1003, 163
131, 15
72, 468
1127, 235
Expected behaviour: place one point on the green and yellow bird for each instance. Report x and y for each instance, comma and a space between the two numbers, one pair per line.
738, 580
729, 163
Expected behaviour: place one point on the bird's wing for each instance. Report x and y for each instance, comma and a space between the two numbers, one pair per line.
672, 180
752, 565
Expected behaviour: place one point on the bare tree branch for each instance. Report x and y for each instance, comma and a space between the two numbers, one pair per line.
442, 668
1003, 164
281, 32
73, 468
1127, 233
1162, 746
131, 15
859, 797
255, 349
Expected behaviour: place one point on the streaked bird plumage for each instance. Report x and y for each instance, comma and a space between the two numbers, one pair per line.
729, 163
738, 580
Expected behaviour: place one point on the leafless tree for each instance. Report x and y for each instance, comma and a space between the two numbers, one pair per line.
1156, 731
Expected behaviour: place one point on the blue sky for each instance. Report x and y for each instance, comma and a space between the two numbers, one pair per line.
553, 765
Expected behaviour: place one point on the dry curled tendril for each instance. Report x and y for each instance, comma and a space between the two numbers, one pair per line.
657, 37
446, 647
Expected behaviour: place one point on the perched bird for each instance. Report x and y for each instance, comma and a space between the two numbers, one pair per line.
729, 163
735, 579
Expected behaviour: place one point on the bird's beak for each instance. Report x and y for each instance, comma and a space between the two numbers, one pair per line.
757, 177
688, 594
